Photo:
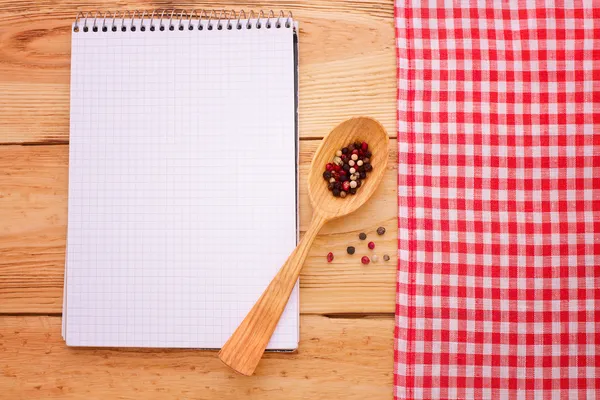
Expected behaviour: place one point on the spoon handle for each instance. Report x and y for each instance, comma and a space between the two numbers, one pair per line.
245, 347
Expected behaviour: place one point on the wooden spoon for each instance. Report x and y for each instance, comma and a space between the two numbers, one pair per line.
245, 347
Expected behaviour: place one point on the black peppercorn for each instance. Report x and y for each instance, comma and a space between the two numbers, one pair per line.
361, 168
363, 175
336, 192
352, 191
368, 167
337, 185
350, 148
346, 167
357, 145
350, 249
380, 230
330, 186
345, 150
327, 175
362, 236
358, 183
368, 154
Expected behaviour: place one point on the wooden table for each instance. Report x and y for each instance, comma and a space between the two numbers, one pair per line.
347, 68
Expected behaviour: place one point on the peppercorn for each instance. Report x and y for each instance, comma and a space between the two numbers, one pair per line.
386, 258
362, 236
368, 154
365, 260
350, 249
374, 258
366, 160
380, 230
329, 257
371, 245
344, 175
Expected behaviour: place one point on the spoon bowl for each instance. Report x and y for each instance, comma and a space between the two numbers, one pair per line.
356, 129
245, 347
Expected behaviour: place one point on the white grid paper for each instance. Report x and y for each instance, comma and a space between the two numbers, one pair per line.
182, 184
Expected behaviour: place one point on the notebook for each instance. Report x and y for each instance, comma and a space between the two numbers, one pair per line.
182, 176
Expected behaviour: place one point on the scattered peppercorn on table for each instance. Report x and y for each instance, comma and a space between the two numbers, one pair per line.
347, 68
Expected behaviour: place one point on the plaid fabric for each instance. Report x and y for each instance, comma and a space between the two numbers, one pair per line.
499, 200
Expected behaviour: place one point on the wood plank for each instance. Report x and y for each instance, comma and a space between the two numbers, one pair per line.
347, 62
33, 220
337, 359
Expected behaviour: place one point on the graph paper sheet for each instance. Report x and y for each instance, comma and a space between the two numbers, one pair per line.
182, 184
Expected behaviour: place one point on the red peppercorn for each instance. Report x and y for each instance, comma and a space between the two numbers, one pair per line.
329, 166
364, 146
371, 245
365, 260
344, 157
336, 167
355, 151
329, 257
346, 186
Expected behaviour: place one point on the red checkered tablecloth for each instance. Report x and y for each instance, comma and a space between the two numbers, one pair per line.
499, 200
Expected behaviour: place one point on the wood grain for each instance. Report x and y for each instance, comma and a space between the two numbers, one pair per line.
348, 359
33, 217
347, 62
347, 68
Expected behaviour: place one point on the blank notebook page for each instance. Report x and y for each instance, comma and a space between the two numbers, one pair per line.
182, 184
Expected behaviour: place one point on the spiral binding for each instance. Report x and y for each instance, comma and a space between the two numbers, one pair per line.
177, 18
